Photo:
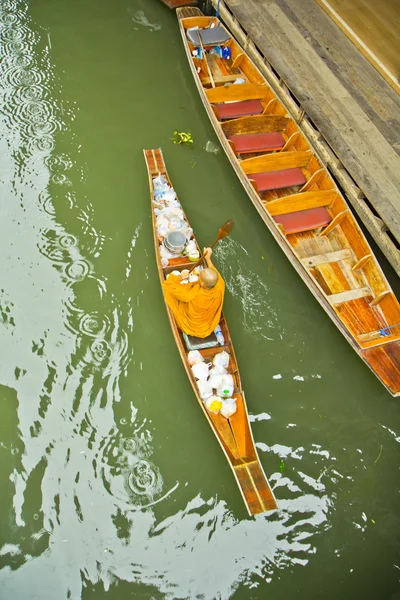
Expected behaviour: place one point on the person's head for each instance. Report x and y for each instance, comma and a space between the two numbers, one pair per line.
208, 278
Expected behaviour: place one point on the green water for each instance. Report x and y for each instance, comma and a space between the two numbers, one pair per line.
113, 485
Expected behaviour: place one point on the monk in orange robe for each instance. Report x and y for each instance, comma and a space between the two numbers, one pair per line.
196, 306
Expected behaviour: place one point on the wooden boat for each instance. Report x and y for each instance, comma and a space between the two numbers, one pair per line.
234, 434
295, 195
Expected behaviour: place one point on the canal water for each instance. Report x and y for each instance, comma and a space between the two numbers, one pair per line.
112, 483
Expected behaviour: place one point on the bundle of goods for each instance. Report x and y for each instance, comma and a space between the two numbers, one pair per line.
173, 230
185, 276
214, 383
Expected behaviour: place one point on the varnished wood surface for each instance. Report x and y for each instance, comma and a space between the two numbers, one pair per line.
343, 273
374, 27
357, 112
234, 434
179, 3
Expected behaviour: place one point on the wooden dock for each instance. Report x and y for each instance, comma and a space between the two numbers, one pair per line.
374, 27
348, 111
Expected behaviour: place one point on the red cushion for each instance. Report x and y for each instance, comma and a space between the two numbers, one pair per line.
257, 142
277, 180
234, 110
304, 220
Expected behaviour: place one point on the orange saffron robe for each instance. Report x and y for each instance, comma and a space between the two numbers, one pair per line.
197, 311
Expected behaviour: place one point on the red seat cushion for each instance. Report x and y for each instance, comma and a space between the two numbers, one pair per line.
277, 180
234, 110
304, 220
257, 142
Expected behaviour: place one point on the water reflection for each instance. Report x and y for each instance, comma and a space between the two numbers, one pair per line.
91, 499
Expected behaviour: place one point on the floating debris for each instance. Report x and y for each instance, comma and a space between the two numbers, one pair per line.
211, 147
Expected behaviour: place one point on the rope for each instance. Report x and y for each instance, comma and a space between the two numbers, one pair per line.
218, 9
385, 330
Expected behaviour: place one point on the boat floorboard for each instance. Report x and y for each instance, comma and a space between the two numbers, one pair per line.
385, 360
258, 495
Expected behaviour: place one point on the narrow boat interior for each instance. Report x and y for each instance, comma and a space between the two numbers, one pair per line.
292, 187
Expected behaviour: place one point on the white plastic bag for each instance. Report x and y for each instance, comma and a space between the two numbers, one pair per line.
221, 359
169, 196
215, 380
205, 389
200, 370
213, 404
160, 183
228, 407
218, 370
226, 386
194, 357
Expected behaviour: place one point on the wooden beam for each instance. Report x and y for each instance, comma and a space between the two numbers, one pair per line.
379, 297
349, 295
363, 261
255, 124
219, 79
276, 161
291, 140
296, 202
336, 221
329, 257
313, 179
268, 107
237, 93
238, 60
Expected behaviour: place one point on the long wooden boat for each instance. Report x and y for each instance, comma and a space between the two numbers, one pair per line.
234, 434
295, 195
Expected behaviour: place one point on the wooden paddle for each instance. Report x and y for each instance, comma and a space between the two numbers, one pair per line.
222, 232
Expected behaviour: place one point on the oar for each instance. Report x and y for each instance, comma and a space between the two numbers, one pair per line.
222, 232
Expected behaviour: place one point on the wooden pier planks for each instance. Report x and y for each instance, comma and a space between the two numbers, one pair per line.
349, 102
374, 28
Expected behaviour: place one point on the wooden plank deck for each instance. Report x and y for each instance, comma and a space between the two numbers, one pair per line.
349, 102
374, 28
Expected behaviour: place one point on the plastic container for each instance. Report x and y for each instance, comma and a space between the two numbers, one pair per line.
219, 335
175, 242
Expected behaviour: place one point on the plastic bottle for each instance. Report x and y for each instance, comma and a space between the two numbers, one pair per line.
219, 335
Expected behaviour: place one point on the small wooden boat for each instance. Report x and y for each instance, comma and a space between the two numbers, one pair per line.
234, 434
295, 195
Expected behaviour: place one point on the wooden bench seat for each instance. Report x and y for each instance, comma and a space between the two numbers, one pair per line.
234, 110
257, 142
304, 220
277, 180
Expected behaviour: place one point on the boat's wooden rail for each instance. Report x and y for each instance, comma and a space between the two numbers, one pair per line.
234, 434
